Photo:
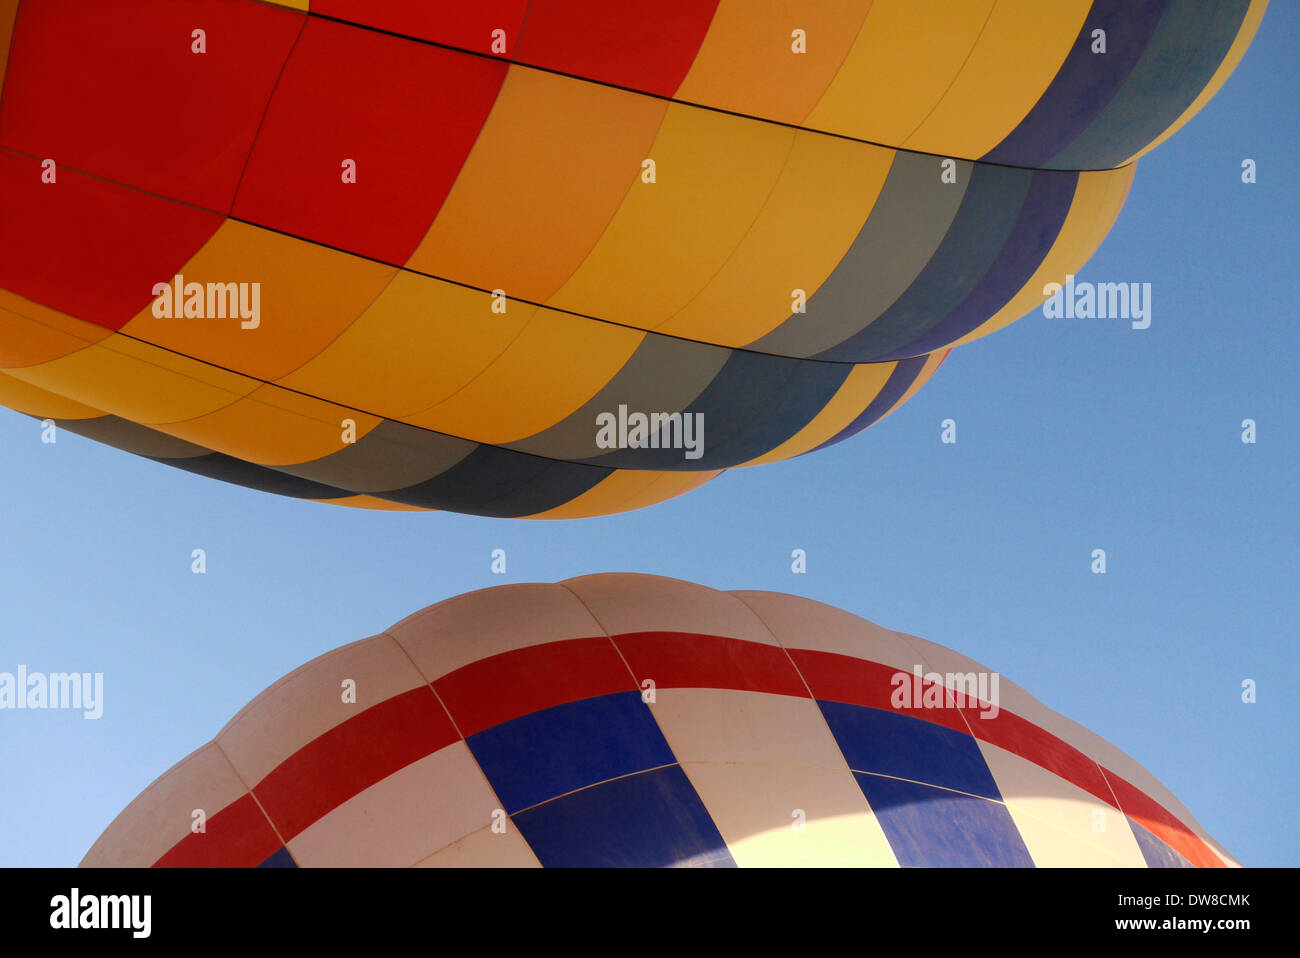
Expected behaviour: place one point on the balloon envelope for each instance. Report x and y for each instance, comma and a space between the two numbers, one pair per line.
442, 255
632, 720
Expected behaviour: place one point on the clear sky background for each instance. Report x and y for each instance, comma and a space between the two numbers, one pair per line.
1072, 435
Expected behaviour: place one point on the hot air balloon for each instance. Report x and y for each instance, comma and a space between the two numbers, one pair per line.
553, 258
634, 720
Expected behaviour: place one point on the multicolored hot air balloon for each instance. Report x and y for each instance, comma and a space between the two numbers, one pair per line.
633, 720
548, 258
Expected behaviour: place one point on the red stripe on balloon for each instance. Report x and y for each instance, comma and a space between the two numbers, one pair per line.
351, 757
387, 737
691, 661
843, 678
238, 836
1020, 737
505, 686
1153, 816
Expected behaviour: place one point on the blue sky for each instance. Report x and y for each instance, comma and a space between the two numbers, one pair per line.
1072, 435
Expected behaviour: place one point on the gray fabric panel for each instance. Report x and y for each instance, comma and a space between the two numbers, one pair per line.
132, 437
985, 222
663, 375
907, 224
390, 456
1180, 59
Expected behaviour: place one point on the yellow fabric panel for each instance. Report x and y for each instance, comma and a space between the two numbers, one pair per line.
420, 342
854, 395
904, 59
308, 295
8, 12
628, 489
138, 381
669, 238
1018, 55
753, 807
1061, 824
549, 169
370, 502
1249, 24
555, 365
932, 363
273, 427
1098, 198
24, 397
303, 5
746, 63
31, 333
824, 195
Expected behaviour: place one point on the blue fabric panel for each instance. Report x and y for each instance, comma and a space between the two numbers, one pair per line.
280, 859
651, 820
900, 380
888, 743
1085, 84
1040, 222
539, 756
934, 828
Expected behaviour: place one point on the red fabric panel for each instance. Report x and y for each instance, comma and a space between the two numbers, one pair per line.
406, 112
642, 46
113, 89
457, 23
87, 247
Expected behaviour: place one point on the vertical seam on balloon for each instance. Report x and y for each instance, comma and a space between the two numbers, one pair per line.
955, 77
249, 791
636, 686
252, 147
460, 170
427, 681
970, 731
821, 714
668, 104
839, 67
619, 652
735, 249
473, 758
519, 41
